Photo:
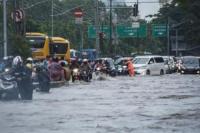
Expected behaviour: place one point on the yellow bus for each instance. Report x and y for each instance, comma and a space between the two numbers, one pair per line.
39, 44
60, 47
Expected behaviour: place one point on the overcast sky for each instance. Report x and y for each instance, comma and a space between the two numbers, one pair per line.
146, 8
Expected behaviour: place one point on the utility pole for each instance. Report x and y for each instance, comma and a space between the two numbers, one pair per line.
5, 27
168, 36
24, 22
97, 25
176, 42
110, 41
52, 18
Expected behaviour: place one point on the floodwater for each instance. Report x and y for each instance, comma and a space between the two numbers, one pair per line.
143, 104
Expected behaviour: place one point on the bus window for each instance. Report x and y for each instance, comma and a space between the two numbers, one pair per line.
36, 42
58, 48
39, 44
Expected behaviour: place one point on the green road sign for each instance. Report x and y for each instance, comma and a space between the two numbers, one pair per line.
125, 31
92, 31
159, 30
129, 31
122, 31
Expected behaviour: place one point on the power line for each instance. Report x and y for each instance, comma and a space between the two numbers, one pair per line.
140, 2
66, 11
38, 3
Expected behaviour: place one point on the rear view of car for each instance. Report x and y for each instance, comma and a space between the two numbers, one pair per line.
189, 65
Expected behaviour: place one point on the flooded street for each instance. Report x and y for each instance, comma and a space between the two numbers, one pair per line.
143, 104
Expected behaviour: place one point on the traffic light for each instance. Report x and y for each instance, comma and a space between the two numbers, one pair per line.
135, 10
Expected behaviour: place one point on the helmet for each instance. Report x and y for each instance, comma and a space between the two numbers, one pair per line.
29, 59
5, 58
17, 61
85, 60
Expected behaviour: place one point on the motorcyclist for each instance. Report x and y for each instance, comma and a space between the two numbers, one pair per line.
67, 71
23, 78
106, 67
85, 66
56, 70
99, 64
43, 78
29, 63
74, 65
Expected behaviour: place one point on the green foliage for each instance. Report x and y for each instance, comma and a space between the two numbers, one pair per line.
38, 19
186, 14
19, 46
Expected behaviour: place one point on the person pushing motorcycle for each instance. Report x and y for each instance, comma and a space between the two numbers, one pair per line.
23, 77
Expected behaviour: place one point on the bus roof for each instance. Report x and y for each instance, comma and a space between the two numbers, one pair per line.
59, 40
35, 34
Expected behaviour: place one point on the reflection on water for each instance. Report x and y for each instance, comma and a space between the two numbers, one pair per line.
166, 104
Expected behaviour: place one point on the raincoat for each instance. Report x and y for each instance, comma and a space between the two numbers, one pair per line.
131, 70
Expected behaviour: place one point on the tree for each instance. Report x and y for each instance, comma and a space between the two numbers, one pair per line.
186, 14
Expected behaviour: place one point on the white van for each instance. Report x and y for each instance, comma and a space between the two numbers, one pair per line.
149, 65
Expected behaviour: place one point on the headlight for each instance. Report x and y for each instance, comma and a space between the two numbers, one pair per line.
7, 70
98, 69
75, 70
124, 67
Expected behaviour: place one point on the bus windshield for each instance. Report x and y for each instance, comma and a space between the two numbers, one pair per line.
36, 42
58, 48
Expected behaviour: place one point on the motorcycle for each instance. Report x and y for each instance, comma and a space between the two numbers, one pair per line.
8, 88
122, 70
75, 74
100, 73
11, 86
85, 75
41, 79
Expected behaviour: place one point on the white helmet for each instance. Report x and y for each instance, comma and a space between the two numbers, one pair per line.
85, 60
29, 59
5, 58
17, 61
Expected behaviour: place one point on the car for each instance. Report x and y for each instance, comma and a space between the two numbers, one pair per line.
189, 65
120, 65
149, 65
170, 64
